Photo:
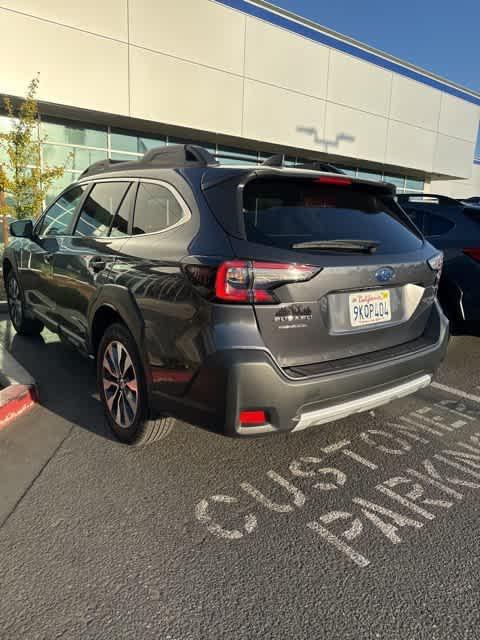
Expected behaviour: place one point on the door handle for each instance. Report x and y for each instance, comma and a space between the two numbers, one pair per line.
97, 264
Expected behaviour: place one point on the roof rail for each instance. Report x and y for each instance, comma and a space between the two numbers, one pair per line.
175, 156
278, 160
98, 167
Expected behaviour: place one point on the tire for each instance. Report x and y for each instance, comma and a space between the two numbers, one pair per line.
16, 308
123, 390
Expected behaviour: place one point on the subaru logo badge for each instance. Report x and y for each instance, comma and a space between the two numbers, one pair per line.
385, 274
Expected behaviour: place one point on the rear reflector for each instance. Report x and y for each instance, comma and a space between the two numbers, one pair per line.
337, 180
253, 418
473, 253
254, 281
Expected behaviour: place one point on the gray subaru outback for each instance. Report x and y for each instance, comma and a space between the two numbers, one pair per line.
249, 300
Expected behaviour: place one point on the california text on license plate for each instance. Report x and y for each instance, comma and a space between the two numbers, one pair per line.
369, 307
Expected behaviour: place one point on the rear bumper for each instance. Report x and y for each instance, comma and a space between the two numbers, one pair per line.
243, 379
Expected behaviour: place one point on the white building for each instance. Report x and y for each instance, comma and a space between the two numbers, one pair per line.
243, 77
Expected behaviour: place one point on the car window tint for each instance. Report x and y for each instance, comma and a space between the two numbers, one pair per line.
437, 225
416, 217
156, 209
283, 212
59, 216
120, 223
99, 208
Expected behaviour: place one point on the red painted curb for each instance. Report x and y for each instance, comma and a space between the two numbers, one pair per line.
16, 400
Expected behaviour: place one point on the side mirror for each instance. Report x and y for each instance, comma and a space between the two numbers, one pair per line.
21, 229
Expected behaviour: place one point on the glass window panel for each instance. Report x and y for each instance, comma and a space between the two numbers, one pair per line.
83, 158
156, 209
144, 144
54, 156
58, 218
348, 171
398, 181
368, 175
124, 156
415, 184
235, 161
99, 208
75, 134
234, 152
120, 224
58, 186
477, 148
123, 141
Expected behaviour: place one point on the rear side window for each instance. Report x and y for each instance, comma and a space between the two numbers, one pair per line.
437, 225
99, 209
283, 212
156, 209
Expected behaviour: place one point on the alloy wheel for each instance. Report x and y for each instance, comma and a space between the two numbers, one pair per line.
15, 302
120, 384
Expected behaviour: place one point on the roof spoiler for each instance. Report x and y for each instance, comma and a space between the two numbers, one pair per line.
278, 160
175, 156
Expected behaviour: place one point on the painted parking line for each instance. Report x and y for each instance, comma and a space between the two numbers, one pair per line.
419, 494
456, 392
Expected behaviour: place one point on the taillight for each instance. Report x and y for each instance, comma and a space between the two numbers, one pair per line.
436, 262
253, 281
473, 253
337, 180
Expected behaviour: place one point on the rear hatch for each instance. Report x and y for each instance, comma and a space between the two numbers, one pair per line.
335, 269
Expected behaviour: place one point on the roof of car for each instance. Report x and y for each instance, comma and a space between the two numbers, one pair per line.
188, 156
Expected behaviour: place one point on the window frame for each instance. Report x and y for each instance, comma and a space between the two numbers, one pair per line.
186, 217
78, 213
71, 227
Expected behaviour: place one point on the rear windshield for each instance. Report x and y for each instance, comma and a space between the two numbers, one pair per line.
281, 213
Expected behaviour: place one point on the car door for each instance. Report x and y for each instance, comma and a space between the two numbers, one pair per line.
83, 260
36, 259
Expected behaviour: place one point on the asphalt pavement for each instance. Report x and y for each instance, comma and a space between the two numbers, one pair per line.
365, 528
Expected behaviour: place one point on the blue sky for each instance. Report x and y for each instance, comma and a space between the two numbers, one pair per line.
443, 37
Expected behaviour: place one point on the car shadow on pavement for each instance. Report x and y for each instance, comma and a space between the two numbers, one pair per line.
65, 379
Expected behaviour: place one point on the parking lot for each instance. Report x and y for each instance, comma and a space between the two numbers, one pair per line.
365, 528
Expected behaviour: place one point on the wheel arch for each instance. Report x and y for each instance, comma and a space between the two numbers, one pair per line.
115, 304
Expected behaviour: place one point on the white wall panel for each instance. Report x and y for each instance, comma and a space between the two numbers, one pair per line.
197, 30
358, 84
103, 17
75, 68
283, 117
414, 103
409, 146
355, 133
166, 89
453, 157
458, 118
275, 56
459, 188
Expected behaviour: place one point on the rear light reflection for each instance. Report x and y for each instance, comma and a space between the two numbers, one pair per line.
473, 253
254, 281
253, 418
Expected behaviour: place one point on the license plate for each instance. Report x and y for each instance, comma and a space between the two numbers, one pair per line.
369, 307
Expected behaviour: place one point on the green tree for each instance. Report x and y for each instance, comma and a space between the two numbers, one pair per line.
22, 177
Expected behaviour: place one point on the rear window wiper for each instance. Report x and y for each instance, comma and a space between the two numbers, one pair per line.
358, 246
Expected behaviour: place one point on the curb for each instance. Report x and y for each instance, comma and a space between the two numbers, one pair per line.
19, 394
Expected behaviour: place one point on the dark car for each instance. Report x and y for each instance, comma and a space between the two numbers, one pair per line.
474, 200
248, 300
453, 227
